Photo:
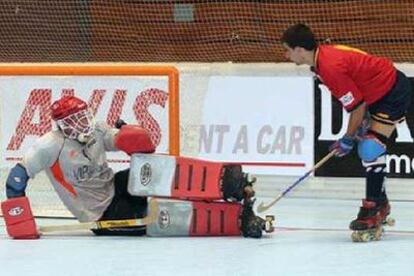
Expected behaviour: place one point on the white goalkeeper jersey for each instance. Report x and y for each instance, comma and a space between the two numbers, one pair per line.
79, 172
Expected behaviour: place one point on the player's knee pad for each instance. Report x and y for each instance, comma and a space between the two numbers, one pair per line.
195, 218
372, 146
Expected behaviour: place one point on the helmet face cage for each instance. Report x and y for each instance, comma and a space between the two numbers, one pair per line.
77, 125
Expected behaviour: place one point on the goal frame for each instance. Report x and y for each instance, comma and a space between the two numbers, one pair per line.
76, 69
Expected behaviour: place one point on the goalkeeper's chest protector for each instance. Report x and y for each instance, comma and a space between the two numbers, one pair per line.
79, 173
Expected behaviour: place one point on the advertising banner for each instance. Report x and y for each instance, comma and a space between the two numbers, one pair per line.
25, 103
262, 121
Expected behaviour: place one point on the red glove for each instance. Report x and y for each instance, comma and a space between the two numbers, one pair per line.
19, 219
134, 139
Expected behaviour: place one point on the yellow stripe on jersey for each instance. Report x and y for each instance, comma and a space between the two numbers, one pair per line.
348, 48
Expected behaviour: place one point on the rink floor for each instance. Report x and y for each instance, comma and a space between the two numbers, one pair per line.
311, 238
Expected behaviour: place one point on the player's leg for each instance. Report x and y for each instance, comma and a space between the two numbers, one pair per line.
375, 207
372, 149
124, 206
200, 218
187, 178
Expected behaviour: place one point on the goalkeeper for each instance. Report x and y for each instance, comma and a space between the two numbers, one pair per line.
74, 159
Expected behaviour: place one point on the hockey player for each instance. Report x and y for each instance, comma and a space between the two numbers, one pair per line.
362, 83
74, 159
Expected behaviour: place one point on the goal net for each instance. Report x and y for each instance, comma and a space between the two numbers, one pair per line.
195, 31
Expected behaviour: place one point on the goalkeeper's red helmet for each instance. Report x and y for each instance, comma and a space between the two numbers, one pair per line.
73, 118
66, 106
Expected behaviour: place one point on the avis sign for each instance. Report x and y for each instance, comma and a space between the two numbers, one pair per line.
331, 123
25, 107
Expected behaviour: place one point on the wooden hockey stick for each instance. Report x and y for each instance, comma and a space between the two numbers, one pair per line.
262, 207
151, 217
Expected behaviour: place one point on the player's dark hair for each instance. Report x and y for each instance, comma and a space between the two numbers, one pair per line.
300, 35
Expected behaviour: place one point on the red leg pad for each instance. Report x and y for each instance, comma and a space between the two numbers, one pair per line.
19, 219
197, 179
215, 219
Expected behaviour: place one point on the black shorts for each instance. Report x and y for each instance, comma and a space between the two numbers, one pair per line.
392, 108
124, 206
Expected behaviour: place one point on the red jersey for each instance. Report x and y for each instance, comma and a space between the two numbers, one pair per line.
354, 76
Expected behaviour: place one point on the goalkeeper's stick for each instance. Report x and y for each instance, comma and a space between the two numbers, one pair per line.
104, 224
262, 207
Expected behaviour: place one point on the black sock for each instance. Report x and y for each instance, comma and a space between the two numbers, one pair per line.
375, 189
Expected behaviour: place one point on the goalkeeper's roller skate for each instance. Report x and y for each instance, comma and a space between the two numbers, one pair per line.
236, 185
252, 225
368, 226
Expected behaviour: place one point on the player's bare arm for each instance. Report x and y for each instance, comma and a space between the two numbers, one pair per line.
355, 120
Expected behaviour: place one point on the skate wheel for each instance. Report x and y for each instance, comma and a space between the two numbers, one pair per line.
269, 228
378, 233
374, 234
390, 221
357, 236
366, 237
249, 192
